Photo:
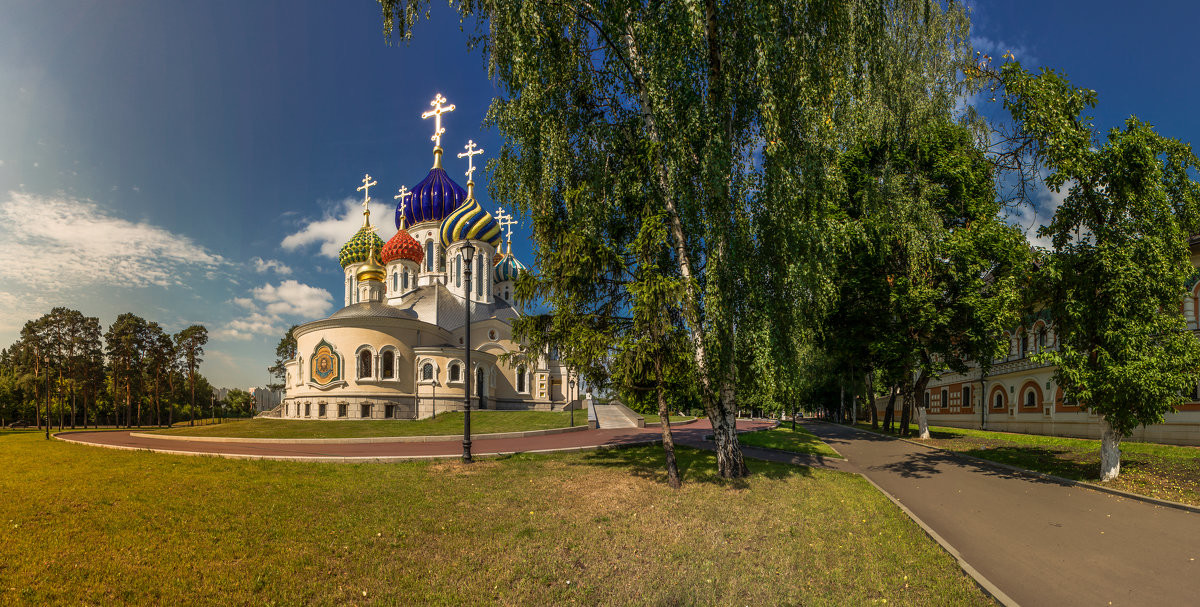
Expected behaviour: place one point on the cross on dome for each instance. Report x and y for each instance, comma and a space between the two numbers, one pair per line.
505, 221
404, 194
436, 112
470, 154
365, 188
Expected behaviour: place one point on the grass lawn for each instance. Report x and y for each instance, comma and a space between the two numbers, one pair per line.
80, 524
653, 418
482, 422
1169, 472
783, 438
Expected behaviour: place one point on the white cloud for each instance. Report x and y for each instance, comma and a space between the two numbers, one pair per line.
270, 306
1031, 217
337, 226
83, 244
294, 299
262, 266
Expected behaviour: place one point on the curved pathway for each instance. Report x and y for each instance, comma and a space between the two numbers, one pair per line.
1037, 541
689, 433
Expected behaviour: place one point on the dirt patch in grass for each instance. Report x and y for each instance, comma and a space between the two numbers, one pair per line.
1170, 472
85, 525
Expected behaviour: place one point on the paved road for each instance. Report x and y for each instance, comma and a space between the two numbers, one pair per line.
1039, 542
693, 433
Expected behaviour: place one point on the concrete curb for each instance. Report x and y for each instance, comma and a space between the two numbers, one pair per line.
368, 459
350, 441
1050, 477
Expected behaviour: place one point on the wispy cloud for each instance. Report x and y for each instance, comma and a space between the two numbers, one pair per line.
337, 226
262, 266
82, 244
1031, 217
997, 48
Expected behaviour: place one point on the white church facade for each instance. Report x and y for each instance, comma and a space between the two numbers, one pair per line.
396, 348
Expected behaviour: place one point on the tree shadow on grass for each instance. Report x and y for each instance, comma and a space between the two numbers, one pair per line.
695, 465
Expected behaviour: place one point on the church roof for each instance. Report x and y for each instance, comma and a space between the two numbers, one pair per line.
509, 268
372, 309
432, 199
470, 221
435, 304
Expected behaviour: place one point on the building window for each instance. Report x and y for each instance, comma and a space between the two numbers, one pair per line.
366, 412
454, 372
389, 411
1030, 399
1041, 340
926, 400
458, 270
427, 372
395, 281
441, 258
405, 280
389, 365
307, 410
522, 385
999, 404
966, 397
479, 276
321, 410
945, 399
428, 255
1024, 345
342, 410
479, 381
364, 364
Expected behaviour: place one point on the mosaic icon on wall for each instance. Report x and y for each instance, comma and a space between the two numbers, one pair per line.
326, 364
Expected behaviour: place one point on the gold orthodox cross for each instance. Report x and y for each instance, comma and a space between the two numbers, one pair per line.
470, 153
436, 112
365, 188
404, 194
505, 221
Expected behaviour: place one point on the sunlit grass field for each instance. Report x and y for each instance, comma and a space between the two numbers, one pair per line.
1164, 471
84, 525
482, 422
783, 438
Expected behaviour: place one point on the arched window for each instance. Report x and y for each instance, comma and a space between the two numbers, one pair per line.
428, 255
395, 281
926, 400
405, 280
441, 258
427, 372
966, 397
1024, 345
458, 270
364, 364
455, 373
945, 399
521, 379
389, 365
999, 404
479, 381
1030, 399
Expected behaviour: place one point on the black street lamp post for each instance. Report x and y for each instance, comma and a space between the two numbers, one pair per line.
468, 251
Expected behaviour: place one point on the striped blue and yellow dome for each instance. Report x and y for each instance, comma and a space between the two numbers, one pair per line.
509, 267
470, 221
359, 246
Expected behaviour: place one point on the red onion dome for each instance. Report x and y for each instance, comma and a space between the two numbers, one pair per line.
402, 246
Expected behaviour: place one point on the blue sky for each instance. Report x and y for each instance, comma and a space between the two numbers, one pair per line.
197, 162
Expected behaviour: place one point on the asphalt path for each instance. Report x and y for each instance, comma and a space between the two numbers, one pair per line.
691, 433
1038, 541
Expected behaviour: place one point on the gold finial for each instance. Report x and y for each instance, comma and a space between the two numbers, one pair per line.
371, 270
506, 221
404, 193
365, 188
436, 113
470, 154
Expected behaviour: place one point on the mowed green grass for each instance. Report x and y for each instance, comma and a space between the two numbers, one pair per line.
85, 525
653, 418
482, 422
1169, 472
783, 438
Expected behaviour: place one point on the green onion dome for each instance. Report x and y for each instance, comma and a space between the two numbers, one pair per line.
470, 221
359, 247
509, 267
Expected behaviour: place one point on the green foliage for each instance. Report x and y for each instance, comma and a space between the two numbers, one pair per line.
1120, 258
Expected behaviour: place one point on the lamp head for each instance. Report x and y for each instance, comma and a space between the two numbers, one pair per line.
468, 249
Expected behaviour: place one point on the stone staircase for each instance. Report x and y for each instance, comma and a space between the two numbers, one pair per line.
615, 415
